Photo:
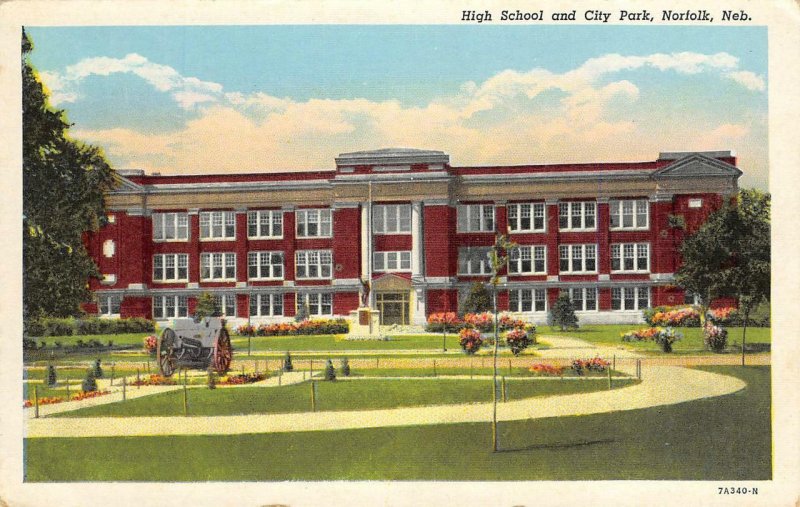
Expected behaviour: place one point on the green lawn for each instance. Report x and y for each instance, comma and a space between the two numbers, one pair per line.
117, 339
692, 336
723, 438
331, 342
341, 395
445, 371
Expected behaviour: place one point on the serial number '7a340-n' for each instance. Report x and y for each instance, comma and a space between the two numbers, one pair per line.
722, 490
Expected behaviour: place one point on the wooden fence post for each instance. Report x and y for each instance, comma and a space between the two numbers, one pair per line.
434, 367
504, 389
112, 374
313, 396
509, 366
138, 379
67, 382
185, 395
124, 389
36, 401
609, 378
249, 347
312, 368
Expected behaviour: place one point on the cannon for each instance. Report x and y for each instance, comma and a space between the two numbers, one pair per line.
194, 344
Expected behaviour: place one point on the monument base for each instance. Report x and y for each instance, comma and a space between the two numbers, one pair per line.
364, 325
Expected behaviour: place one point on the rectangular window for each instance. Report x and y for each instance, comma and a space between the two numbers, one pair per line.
527, 300
318, 304
171, 267
630, 298
313, 264
391, 261
475, 218
109, 305
528, 260
217, 225
265, 224
170, 226
265, 265
474, 260
630, 258
391, 219
577, 215
225, 304
629, 214
577, 258
218, 266
695, 203
170, 307
527, 217
266, 305
313, 223
584, 299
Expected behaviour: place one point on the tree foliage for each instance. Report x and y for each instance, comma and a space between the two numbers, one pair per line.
63, 185
478, 299
206, 306
562, 314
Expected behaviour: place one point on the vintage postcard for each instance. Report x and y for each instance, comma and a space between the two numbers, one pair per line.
426, 254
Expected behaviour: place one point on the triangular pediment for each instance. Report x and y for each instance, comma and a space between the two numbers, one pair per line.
124, 185
391, 282
697, 165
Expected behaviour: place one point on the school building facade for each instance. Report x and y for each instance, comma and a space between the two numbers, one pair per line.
608, 234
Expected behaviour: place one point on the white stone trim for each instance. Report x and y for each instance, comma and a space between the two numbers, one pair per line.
560, 175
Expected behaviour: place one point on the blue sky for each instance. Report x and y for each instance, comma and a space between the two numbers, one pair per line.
234, 99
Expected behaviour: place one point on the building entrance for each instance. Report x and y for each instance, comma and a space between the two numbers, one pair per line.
393, 308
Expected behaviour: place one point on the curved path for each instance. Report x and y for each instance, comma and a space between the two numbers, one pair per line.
661, 385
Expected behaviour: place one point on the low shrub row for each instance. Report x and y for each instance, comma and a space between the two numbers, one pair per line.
689, 316
29, 344
306, 327
664, 337
52, 400
50, 326
241, 379
483, 322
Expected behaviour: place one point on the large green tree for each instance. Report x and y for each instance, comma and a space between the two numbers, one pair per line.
63, 184
730, 255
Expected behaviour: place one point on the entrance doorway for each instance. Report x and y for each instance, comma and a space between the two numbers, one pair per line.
393, 308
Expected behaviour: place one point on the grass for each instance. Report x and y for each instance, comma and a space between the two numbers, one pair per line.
332, 342
341, 395
446, 371
117, 339
723, 438
692, 336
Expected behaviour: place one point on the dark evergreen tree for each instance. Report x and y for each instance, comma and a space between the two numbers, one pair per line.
344, 368
287, 363
302, 313
478, 300
330, 372
97, 370
51, 375
63, 184
206, 307
562, 314
89, 383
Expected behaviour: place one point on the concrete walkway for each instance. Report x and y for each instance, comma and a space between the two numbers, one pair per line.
661, 385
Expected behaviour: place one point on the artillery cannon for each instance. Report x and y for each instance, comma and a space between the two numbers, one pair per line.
194, 344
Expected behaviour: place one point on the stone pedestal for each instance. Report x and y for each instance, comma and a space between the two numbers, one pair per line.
364, 324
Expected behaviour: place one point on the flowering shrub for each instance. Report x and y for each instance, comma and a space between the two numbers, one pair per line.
594, 364
481, 321
547, 370
724, 316
246, 330
685, 316
239, 379
641, 335
154, 380
715, 337
470, 340
508, 322
447, 320
518, 340
665, 337
305, 327
150, 343
84, 395
47, 400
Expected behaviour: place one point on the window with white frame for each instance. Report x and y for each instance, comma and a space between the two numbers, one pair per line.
170, 226
691, 298
630, 257
577, 258
528, 259
584, 299
216, 266
109, 248
108, 305
629, 213
526, 217
475, 218
317, 303
313, 263
265, 265
266, 305
630, 298
225, 304
170, 307
391, 261
265, 224
695, 203
527, 300
219, 225
391, 218
474, 260
312, 223
577, 215
170, 267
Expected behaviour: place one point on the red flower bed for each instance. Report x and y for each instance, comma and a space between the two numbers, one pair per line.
239, 379
154, 380
150, 343
594, 364
447, 320
545, 369
85, 395
470, 340
47, 400
306, 327
482, 321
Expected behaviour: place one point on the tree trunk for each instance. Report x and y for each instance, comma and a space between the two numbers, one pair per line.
494, 374
744, 329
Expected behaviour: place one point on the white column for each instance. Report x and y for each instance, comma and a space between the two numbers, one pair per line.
417, 263
366, 245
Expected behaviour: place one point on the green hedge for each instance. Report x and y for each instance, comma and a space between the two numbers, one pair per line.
51, 326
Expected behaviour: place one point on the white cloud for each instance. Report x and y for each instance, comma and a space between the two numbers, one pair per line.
748, 79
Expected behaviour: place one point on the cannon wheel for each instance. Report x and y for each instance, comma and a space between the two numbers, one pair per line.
165, 354
223, 352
